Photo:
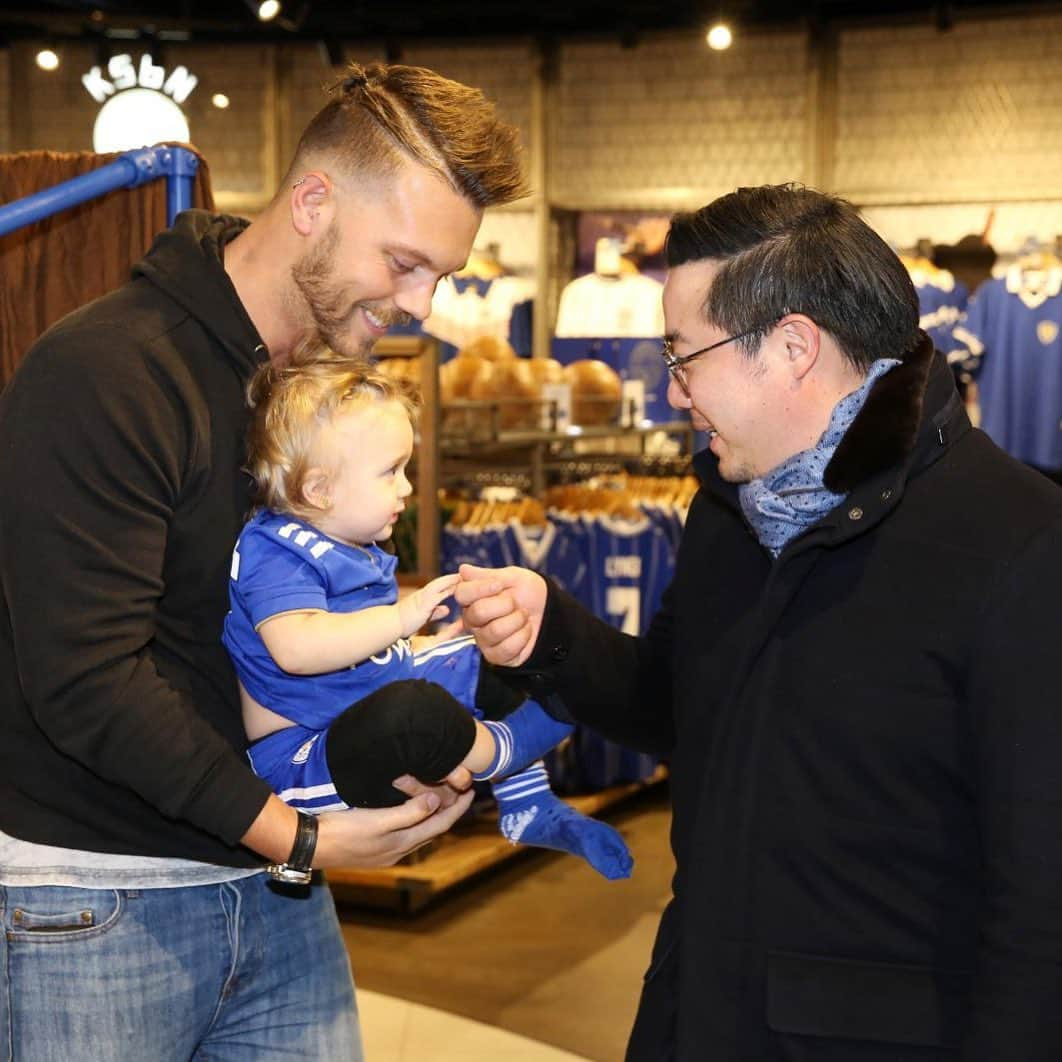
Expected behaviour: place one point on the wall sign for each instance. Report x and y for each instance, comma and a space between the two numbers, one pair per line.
141, 104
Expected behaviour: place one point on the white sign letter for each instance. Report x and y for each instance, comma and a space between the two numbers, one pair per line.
99, 88
150, 76
122, 72
180, 83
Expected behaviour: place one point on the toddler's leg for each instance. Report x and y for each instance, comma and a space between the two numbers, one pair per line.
529, 812
407, 727
522, 737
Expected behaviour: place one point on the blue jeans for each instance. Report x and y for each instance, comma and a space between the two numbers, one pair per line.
232, 973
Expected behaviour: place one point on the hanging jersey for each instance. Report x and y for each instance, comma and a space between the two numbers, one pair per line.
599, 307
496, 545
1012, 339
529, 545
629, 566
941, 302
567, 562
466, 308
461, 545
666, 516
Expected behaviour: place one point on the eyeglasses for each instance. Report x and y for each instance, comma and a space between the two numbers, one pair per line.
676, 365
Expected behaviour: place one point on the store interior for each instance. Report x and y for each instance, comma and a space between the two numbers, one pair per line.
547, 434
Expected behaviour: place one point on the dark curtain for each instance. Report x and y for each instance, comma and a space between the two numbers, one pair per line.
53, 266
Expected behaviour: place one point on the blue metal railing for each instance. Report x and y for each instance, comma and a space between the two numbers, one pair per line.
133, 168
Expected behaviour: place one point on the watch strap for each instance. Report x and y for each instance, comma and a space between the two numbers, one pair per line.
297, 868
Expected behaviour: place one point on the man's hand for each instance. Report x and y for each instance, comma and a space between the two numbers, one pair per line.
425, 604
448, 790
503, 608
380, 837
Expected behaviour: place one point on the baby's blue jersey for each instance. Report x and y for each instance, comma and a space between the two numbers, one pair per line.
1012, 338
283, 565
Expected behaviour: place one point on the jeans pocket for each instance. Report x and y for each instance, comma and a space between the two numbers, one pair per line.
54, 914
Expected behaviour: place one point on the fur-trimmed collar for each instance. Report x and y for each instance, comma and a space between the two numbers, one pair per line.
886, 430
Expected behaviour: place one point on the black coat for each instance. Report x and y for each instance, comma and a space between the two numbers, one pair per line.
865, 740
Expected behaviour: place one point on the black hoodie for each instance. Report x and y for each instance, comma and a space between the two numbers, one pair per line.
121, 441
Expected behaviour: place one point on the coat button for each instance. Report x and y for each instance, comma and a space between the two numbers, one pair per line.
559, 653
855, 514
886, 494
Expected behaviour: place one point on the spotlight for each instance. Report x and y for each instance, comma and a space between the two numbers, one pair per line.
719, 37
268, 9
48, 59
220, 100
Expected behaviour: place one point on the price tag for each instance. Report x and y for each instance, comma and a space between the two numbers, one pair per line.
556, 397
632, 414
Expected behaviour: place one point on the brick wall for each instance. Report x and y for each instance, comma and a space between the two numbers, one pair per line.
931, 128
951, 117
5, 99
671, 124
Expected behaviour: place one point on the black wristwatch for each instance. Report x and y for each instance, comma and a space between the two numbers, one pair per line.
296, 871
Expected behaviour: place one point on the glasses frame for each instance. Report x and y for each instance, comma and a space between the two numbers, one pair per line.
676, 364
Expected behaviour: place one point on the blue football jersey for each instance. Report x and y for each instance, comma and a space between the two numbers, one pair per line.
1012, 339
281, 564
941, 302
630, 563
567, 562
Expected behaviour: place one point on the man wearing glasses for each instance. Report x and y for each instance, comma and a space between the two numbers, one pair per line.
853, 674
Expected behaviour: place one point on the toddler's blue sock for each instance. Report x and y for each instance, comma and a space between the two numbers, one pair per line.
521, 738
529, 812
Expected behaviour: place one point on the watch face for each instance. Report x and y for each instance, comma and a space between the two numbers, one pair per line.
289, 875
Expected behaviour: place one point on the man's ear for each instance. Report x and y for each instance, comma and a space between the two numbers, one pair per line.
803, 342
317, 489
312, 202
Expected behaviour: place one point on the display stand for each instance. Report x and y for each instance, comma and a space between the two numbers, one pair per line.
427, 452
537, 452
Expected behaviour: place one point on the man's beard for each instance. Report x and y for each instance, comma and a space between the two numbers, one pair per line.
326, 304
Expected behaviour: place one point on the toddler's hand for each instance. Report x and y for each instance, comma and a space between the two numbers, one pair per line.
425, 604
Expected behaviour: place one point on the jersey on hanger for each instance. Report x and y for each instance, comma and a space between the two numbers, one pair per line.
1012, 339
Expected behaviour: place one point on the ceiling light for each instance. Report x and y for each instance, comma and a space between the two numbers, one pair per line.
268, 9
48, 59
220, 100
719, 37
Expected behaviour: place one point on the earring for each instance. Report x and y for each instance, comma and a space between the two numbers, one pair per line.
299, 181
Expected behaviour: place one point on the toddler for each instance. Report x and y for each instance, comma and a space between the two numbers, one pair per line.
336, 702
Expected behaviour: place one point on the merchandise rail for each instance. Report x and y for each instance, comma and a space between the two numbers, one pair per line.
176, 165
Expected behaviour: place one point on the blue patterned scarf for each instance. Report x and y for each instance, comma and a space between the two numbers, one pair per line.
791, 497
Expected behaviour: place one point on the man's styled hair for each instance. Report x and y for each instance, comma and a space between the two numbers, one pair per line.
789, 249
381, 116
291, 404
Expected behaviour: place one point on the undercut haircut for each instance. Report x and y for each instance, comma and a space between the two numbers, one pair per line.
381, 116
290, 406
789, 249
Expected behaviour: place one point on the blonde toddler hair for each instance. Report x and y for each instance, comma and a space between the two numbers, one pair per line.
291, 404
